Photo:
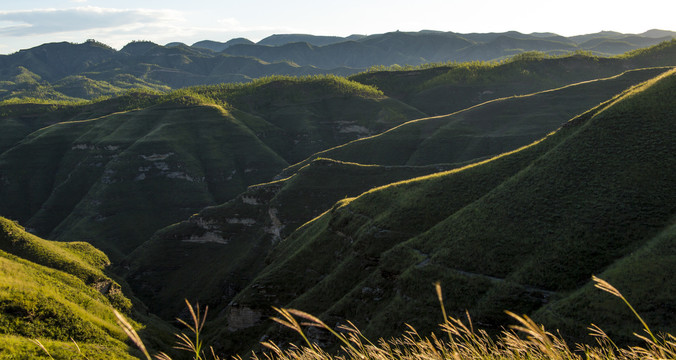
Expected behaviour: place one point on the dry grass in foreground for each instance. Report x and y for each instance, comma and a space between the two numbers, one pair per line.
527, 340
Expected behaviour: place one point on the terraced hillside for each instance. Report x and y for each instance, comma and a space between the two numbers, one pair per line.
523, 231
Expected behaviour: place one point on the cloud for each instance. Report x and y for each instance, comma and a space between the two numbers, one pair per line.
47, 21
23, 29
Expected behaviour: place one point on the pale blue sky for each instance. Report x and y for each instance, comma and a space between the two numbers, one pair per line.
28, 23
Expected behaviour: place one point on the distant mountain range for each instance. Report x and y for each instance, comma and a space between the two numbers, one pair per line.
66, 71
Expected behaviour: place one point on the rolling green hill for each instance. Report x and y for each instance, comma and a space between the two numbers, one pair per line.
114, 172
314, 113
219, 46
316, 40
57, 292
523, 231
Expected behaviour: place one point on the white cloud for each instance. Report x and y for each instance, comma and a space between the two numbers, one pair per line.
21, 29
48, 21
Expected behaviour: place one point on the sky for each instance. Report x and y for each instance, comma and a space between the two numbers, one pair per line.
29, 23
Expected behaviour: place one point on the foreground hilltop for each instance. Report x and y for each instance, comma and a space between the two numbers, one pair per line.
58, 292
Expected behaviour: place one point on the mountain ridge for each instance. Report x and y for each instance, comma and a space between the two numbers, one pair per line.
147, 65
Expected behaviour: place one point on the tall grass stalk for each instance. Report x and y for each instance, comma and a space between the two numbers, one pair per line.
185, 342
131, 333
605, 286
39, 344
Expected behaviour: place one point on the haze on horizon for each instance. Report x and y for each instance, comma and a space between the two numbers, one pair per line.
30, 23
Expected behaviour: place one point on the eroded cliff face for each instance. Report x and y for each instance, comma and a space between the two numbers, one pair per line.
214, 254
242, 317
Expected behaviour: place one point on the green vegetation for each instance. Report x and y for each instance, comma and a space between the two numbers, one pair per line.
27, 87
271, 85
57, 292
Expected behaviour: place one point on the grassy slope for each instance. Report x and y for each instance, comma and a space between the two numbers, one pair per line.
152, 262
484, 130
644, 279
20, 118
57, 292
239, 233
514, 233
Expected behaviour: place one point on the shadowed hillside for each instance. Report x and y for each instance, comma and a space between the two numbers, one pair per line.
237, 235
116, 177
522, 231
